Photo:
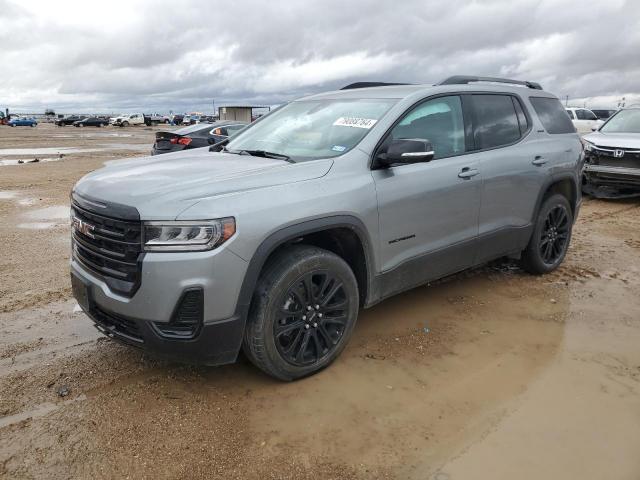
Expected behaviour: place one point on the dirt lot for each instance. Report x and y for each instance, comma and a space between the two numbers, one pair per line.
488, 374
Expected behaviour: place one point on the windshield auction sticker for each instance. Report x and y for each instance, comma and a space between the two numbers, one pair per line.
355, 122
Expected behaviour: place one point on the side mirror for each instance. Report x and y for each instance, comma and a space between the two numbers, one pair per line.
217, 147
407, 150
595, 128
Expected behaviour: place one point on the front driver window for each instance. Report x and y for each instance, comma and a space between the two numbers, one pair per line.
439, 121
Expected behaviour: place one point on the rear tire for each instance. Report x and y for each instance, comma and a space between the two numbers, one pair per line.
302, 314
550, 238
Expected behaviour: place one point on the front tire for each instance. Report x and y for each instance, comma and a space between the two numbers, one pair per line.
303, 312
550, 238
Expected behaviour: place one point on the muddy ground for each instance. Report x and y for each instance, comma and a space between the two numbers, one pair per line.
489, 374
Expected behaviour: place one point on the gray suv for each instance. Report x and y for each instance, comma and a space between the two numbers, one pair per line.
273, 241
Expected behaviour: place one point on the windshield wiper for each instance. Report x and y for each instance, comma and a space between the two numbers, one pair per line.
266, 154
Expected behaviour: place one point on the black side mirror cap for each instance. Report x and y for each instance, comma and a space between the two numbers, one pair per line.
405, 151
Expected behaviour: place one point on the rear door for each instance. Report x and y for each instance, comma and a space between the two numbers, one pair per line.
512, 166
428, 212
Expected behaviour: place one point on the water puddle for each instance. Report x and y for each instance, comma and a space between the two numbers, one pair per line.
22, 161
59, 212
50, 217
26, 202
6, 195
37, 225
43, 151
15, 156
17, 197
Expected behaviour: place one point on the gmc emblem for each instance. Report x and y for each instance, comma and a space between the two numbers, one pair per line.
83, 227
618, 153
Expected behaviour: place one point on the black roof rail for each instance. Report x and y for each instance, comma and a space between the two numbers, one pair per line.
369, 84
464, 79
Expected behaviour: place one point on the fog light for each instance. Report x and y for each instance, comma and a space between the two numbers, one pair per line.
187, 319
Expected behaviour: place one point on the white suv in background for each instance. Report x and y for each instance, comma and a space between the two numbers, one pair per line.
584, 119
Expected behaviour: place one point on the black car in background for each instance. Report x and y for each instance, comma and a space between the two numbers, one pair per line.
92, 122
70, 120
603, 114
195, 136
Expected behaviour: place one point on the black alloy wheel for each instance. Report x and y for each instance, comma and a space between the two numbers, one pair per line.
551, 236
312, 318
303, 312
555, 235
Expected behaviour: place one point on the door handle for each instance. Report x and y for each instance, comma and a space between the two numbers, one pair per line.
539, 161
467, 172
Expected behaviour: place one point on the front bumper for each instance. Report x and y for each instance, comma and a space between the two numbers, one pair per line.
166, 277
611, 182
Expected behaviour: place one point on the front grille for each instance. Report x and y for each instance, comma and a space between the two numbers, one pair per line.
607, 156
108, 247
117, 325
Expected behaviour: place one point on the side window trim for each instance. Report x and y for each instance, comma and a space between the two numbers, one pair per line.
520, 112
468, 116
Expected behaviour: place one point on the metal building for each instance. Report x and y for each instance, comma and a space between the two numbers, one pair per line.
242, 113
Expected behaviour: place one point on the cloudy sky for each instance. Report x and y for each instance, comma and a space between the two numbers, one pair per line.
108, 56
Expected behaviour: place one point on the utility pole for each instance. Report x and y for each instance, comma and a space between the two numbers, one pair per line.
566, 100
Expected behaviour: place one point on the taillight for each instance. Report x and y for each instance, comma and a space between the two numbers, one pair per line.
180, 140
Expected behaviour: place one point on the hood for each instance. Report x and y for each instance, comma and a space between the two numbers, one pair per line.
162, 186
614, 140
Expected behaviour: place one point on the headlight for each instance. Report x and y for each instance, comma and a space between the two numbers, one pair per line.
588, 146
187, 236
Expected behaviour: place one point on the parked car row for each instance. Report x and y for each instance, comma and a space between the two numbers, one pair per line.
124, 120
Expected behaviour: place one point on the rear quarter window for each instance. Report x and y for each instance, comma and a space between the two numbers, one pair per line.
552, 114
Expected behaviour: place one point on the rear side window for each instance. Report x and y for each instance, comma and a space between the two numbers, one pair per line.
552, 114
570, 113
496, 121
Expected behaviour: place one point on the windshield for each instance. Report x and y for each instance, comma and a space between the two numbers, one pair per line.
310, 129
625, 121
